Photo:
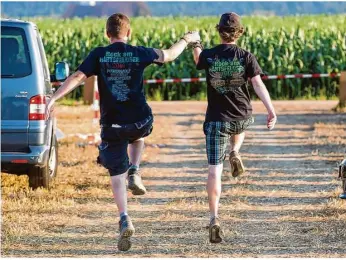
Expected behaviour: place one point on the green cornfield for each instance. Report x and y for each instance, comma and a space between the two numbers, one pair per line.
282, 45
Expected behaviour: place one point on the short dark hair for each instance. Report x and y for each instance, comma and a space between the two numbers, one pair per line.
117, 25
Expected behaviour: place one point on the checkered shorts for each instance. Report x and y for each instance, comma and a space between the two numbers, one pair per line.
217, 137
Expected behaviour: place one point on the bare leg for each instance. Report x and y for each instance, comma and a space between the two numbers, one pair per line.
126, 228
237, 167
214, 188
237, 141
119, 191
135, 151
135, 181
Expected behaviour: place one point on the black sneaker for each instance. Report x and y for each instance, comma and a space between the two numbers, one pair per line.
236, 164
135, 182
126, 230
215, 232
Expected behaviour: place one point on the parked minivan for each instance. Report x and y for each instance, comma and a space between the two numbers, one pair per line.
28, 139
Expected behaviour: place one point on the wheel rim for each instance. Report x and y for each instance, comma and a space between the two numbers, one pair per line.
52, 161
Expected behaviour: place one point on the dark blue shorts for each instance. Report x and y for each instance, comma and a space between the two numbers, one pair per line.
115, 140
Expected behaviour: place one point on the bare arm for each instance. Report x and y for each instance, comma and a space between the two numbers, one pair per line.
263, 94
176, 49
172, 53
196, 52
70, 84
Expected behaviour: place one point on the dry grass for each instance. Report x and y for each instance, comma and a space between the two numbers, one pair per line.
286, 204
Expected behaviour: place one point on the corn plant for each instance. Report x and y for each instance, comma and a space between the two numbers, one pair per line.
282, 45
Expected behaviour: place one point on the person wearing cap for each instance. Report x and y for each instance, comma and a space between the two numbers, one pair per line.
228, 68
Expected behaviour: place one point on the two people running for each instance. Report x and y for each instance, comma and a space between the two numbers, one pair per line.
126, 118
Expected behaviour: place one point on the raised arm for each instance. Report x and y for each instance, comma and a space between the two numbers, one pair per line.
176, 49
263, 94
196, 52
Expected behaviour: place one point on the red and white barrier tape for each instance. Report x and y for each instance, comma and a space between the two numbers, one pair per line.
300, 76
187, 80
96, 102
296, 76
95, 138
184, 80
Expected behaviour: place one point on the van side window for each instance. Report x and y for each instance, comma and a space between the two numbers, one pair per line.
43, 56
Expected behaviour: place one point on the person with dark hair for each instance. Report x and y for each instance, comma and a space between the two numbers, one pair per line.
229, 113
126, 118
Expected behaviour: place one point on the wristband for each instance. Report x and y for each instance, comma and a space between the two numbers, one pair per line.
183, 38
196, 45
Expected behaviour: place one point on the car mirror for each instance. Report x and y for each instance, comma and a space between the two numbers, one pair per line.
62, 71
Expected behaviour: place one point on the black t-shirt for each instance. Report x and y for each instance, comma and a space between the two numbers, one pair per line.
228, 68
119, 69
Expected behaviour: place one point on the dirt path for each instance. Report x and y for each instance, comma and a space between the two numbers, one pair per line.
284, 206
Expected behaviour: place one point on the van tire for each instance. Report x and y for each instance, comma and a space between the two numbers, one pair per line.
42, 176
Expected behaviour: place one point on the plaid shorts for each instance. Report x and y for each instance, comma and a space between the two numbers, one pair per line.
217, 137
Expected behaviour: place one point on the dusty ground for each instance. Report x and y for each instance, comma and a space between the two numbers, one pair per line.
286, 204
